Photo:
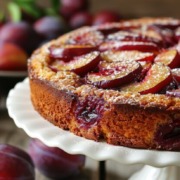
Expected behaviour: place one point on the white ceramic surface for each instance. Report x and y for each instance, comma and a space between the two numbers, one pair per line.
153, 173
21, 110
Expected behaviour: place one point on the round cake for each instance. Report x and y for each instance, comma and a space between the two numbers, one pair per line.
117, 82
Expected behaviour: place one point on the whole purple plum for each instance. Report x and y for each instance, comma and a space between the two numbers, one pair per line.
21, 34
54, 162
15, 164
50, 27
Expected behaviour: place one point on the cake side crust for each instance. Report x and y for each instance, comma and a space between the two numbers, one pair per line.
119, 124
56, 106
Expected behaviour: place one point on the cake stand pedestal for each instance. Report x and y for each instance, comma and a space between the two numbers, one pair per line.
159, 165
102, 170
149, 172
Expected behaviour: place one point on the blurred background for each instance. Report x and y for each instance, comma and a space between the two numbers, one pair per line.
129, 7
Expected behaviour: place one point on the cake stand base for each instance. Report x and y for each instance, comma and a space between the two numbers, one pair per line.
153, 173
159, 165
102, 170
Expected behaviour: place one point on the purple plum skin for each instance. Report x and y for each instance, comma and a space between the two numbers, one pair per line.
54, 162
15, 164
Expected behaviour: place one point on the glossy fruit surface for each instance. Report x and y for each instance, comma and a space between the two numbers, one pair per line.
129, 45
129, 56
156, 79
93, 38
148, 35
53, 162
176, 74
68, 52
135, 35
167, 36
115, 74
174, 93
109, 28
169, 58
88, 111
21, 34
15, 163
106, 16
80, 19
116, 56
79, 64
12, 57
167, 136
177, 34
50, 27
70, 7
170, 24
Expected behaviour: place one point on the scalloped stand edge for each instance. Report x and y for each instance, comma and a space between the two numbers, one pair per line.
164, 161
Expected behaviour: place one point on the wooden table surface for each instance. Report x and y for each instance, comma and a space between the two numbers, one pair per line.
128, 8
11, 134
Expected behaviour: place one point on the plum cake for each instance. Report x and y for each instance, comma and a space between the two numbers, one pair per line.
116, 82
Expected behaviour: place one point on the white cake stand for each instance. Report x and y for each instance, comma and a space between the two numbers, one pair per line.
159, 165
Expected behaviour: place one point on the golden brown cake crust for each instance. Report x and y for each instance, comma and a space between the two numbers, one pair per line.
128, 119
119, 124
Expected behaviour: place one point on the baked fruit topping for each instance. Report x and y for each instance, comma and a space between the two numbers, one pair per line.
157, 77
117, 82
129, 45
134, 36
169, 58
115, 56
115, 74
177, 34
107, 29
176, 74
168, 136
89, 110
79, 64
175, 93
150, 34
68, 52
93, 38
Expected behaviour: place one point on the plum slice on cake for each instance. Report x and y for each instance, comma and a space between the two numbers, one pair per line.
78, 64
157, 77
114, 74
